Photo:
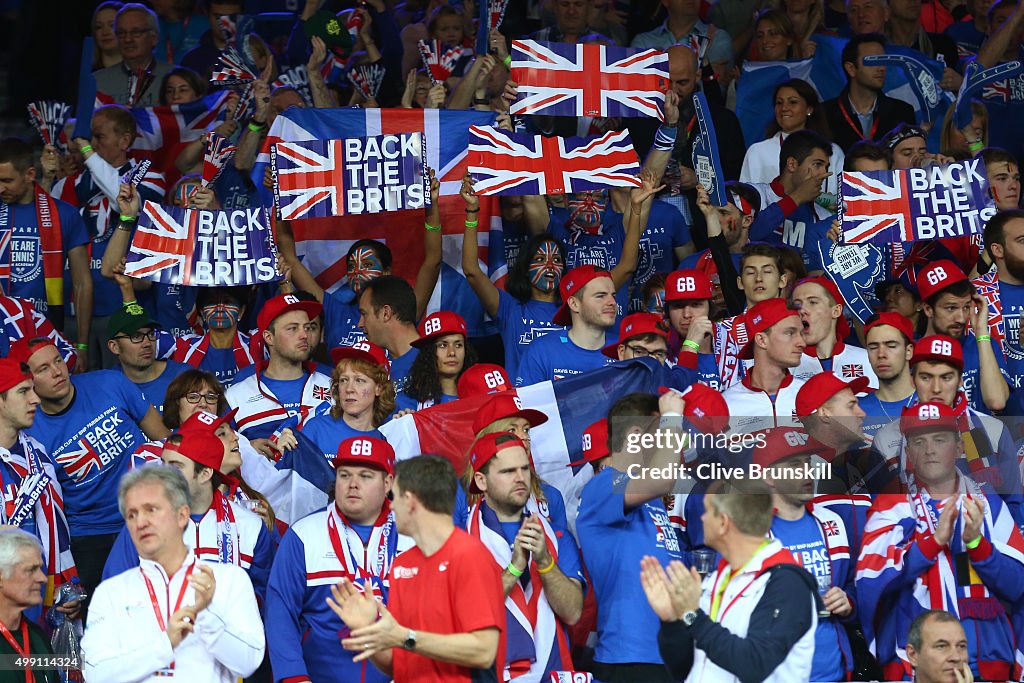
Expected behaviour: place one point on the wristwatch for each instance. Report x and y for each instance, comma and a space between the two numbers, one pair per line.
410, 641
690, 617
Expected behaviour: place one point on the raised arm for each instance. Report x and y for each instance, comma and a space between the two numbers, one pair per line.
430, 269
483, 287
301, 277
640, 199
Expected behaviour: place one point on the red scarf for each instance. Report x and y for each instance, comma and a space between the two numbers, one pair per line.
188, 351
51, 244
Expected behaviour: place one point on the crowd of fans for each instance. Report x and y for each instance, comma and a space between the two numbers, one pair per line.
155, 438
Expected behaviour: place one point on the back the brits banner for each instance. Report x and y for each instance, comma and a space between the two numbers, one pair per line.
915, 204
203, 248
323, 178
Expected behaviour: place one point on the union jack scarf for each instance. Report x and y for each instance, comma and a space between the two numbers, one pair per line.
988, 288
533, 629
39, 495
730, 338
367, 564
227, 530
22, 321
192, 350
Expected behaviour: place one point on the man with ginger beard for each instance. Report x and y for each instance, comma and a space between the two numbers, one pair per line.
820, 304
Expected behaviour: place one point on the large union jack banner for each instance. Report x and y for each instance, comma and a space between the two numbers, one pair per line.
520, 163
929, 203
562, 79
323, 178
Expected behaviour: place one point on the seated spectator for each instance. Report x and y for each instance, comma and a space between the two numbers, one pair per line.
918, 555
181, 86
570, 23
444, 356
127, 632
132, 339
682, 22
760, 626
774, 38
905, 29
137, 79
796, 107
105, 50
362, 395
908, 146
24, 573
862, 112
970, 32
222, 350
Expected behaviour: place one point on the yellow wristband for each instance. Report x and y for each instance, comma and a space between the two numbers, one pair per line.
545, 570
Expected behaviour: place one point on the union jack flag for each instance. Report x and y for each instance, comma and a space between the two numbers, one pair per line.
560, 79
831, 528
987, 287
321, 393
516, 163
310, 178
80, 460
231, 69
875, 207
162, 129
998, 91
853, 370
163, 242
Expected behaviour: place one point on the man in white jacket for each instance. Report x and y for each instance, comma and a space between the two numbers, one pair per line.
173, 617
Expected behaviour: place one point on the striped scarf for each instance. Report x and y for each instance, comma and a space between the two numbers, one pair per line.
193, 350
533, 629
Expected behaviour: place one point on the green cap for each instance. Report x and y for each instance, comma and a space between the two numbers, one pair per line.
330, 28
129, 320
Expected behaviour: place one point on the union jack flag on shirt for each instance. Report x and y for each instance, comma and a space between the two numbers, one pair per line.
831, 528
875, 207
518, 163
853, 370
562, 79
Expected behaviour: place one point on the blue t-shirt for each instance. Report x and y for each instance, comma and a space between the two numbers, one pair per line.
1011, 300
400, 368
327, 432
92, 441
341, 318
614, 540
234, 189
666, 229
880, 413
803, 537
972, 370
568, 554
404, 401
170, 305
221, 362
520, 324
287, 391
583, 249
26, 251
155, 390
555, 356
967, 37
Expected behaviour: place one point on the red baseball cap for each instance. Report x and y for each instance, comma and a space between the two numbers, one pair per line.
842, 325
11, 373
486, 447
939, 348
482, 379
822, 387
900, 322
937, 276
595, 443
438, 325
199, 446
366, 451
635, 324
688, 284
208, 422
928, 417
364, 350
506, 404
785, 442
760, 317
575, 280
285, 303
705, 408
22, 350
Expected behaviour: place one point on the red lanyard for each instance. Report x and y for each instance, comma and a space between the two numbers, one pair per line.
332, 531
177, 605
856, 127
23, 650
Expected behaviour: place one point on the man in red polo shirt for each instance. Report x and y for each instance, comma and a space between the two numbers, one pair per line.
448, 584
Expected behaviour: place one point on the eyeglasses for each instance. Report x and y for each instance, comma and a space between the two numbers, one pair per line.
133, 34
137, 337
641, 352
210, 398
